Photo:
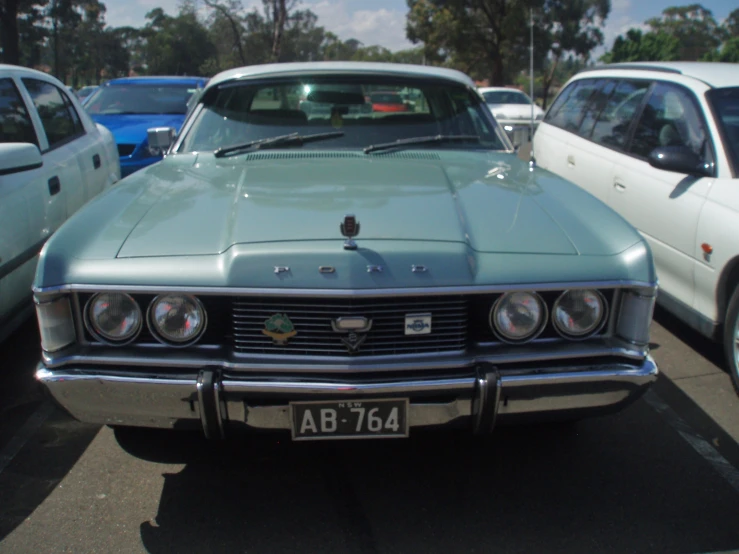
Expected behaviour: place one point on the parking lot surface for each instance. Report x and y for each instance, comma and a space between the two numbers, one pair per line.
661, 477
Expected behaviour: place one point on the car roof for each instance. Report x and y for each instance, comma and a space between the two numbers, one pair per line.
714, 74
357, 68
26, 70
158, 80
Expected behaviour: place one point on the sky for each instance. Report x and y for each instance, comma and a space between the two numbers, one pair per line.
383, 21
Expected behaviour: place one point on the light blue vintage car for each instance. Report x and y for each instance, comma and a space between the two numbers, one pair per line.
343, 274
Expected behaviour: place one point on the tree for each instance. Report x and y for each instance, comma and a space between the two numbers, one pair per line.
176, 45
21, 31
731, 25
489, 38
693, 26
638, 46
226, 18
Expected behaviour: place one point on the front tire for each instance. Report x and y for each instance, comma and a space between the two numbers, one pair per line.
731, 339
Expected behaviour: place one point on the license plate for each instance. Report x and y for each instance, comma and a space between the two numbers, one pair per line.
360, 419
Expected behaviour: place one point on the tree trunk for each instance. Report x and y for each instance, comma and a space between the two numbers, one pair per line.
548, 82
279, 16
9, 32
497, 77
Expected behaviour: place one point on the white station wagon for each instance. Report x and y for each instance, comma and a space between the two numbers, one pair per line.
659, 143
53, 159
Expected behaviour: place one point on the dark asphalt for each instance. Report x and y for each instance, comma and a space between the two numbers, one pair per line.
623, 483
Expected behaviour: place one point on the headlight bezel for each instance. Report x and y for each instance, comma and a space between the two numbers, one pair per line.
158, 335
604, 316
544, 318
99, 336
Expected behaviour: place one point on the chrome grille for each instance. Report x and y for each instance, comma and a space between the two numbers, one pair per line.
315, 336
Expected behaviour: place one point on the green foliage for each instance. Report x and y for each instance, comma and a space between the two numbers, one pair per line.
729, 52
176, 45
693, 26
637, 46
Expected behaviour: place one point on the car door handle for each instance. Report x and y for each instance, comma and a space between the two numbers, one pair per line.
96, 161
571, 161
55, 185
619, 186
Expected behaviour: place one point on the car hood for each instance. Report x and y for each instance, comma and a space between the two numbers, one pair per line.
491, 203
513, 111
131, 129
473, 218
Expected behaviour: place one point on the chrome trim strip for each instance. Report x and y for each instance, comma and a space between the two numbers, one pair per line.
338, 293
302, 364
347, 388
496, 408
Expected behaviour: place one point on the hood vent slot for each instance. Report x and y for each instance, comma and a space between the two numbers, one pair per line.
266, 156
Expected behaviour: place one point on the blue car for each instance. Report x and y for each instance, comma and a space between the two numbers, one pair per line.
131, 105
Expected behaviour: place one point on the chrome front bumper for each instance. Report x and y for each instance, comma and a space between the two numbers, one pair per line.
216, 400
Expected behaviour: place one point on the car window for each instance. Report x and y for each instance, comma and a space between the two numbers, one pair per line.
597, 102
568, 113
614, 121
145, 99
725, 103
60, 121
15, 123
236, 113
670, 118
505, 97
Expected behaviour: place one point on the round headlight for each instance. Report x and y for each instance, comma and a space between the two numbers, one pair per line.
579, 313
177, 319
113, 317
518, 316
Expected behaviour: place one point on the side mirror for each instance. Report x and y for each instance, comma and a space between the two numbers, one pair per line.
679, 159
160, 139
19, 156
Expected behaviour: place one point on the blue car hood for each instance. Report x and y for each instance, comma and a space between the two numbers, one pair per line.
131, 129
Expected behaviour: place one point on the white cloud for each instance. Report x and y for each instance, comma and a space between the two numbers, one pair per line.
619, 21
381, 26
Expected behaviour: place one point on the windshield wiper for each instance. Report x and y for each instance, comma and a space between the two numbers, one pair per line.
421, 140
293, 139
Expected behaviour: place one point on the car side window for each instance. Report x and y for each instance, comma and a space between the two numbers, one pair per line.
15, 123
597, 102
59, 122
569, 115
670, 118
614, 121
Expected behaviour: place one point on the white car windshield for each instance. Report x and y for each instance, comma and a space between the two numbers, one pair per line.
238, 113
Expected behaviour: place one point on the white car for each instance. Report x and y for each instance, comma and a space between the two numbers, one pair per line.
53, 159
513, 110
659, 143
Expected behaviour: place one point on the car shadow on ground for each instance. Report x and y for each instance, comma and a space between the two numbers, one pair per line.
622, 483
710, 350
34, 457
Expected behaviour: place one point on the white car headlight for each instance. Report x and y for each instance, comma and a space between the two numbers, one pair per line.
113, 317
579, 313
518, 316
177, 319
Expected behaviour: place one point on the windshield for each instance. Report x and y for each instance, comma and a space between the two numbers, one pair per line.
238, 113
140, 99
505, 97
725, 103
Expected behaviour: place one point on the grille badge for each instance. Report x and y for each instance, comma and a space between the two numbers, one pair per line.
355, 327
279, 328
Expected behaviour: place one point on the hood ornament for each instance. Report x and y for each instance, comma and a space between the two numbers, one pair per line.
350, 229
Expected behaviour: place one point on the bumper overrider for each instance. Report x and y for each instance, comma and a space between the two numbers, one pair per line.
215, 399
